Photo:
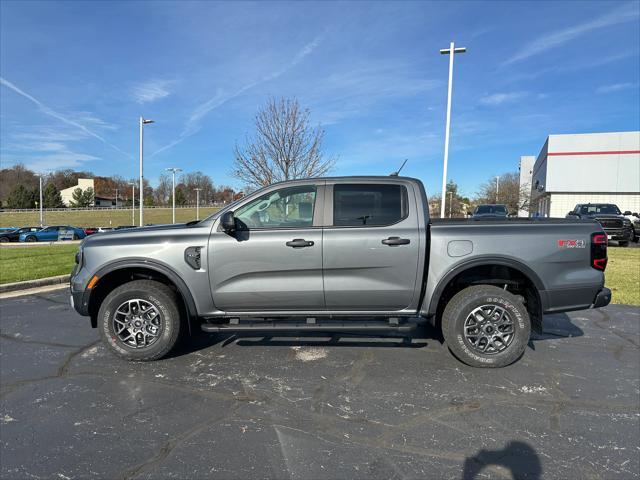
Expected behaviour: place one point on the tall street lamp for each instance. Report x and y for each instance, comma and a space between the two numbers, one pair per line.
197, 190
133, 203
451, 51
173, 193
41, 216
143, 122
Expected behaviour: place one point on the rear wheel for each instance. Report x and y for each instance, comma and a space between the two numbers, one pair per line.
486, 326
140, 320
31, 238
4, 239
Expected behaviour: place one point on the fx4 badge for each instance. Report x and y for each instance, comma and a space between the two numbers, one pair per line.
571, 244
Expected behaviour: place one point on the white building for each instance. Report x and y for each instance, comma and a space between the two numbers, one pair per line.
586, 168
67, 193
526, 172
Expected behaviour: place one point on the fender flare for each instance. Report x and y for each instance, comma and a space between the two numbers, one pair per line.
479, 262
156, 266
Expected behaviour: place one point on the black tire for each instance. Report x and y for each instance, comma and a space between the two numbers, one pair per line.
75, 236
163, 299
459, 310
31, 238
4, 239
623, 244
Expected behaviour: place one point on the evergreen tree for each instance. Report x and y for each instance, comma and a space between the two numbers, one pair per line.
21, 197
82, 198
51, 196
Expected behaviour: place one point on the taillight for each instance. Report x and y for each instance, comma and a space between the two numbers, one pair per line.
599, 251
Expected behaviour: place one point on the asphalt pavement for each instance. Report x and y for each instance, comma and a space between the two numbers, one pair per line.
316, 407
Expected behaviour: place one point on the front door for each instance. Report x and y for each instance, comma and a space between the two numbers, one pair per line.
371, 249
273, 262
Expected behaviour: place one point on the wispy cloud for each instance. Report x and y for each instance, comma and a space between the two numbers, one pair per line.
625, 13
63, 118
192, 125
150, 91
616, 87
496, 99
44, 149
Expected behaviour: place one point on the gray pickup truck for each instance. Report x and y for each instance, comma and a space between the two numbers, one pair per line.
352, 254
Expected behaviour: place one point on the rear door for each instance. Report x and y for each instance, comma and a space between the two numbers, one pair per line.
273, 262
371, 246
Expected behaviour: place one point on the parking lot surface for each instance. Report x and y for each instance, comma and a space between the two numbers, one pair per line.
316, 407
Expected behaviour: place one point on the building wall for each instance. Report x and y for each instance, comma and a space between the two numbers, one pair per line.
526, 173
582, 168
67, 193
559, 204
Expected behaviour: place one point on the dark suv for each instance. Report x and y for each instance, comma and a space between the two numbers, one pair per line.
616, 226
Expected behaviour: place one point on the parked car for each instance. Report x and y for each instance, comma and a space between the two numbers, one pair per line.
51, 234
616, 226
490, 211
14, 235
339, 254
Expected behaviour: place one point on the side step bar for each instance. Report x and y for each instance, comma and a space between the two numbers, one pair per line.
350, 326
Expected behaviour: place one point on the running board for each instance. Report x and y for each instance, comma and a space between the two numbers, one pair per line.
268, 326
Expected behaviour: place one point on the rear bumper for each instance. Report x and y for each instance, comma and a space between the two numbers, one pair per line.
603, 298
571, 299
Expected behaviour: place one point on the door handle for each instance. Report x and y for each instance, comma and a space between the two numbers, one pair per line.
299, 243
395, 241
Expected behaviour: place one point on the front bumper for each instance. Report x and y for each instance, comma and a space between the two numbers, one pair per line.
603, 298
624, 234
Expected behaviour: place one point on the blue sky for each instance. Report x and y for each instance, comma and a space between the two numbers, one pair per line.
76, 76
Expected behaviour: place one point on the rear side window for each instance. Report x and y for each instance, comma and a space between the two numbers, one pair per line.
357, 205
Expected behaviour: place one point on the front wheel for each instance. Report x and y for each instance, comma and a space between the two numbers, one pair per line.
486, 326
31, 238
140, 320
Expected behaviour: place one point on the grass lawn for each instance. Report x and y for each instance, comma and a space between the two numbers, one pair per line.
100, 218
623, 275
27, 263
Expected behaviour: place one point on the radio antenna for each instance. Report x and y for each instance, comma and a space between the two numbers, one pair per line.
395, 174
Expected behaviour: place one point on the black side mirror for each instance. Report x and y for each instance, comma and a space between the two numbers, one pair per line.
627, 212
228, 222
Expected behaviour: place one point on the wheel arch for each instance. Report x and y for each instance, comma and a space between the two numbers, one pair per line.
116, 273
500, 269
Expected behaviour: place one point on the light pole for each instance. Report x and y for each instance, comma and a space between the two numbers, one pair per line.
143, 122
197, 190
173, 170
451, 51
41, 217
497, 188
133, 203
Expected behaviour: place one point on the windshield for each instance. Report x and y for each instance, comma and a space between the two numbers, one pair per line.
491, 210
605, 208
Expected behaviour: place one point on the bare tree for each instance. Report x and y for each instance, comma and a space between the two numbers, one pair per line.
508, 193
285, 147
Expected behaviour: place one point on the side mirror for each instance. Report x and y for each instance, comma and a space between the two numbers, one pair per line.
627, 212
228, 222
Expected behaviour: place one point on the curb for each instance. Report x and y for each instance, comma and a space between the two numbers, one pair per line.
39, 282
38, 244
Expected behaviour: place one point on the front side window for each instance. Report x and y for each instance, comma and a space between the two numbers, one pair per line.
357, 205
290, 207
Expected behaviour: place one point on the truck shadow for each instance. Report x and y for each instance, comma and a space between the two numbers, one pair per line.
557, 326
